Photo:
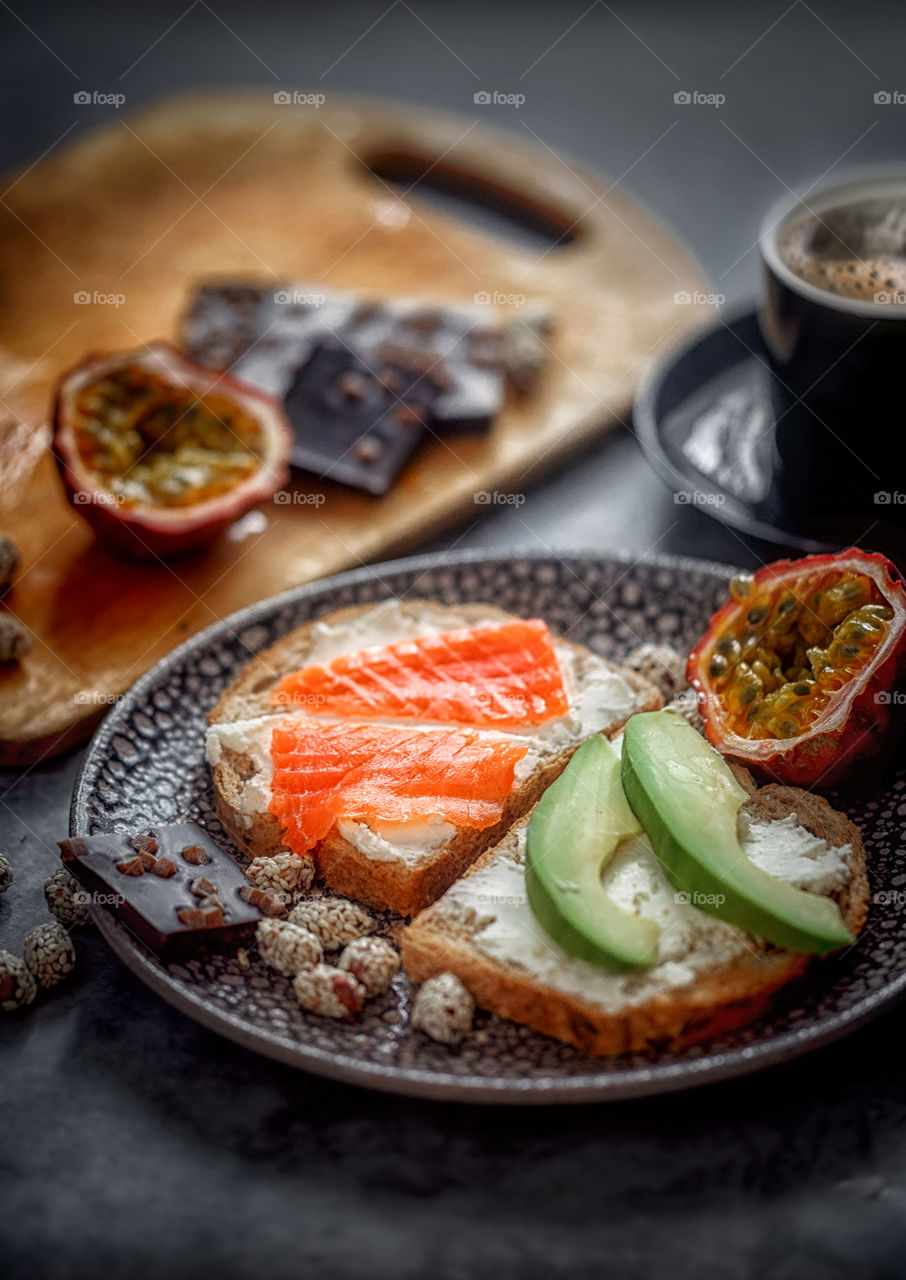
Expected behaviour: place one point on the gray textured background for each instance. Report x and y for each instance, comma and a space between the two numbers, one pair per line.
131, 1140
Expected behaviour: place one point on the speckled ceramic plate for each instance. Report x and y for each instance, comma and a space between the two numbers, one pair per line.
146, 764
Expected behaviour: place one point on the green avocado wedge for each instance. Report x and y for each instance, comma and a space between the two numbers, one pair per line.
572, 835
686, 798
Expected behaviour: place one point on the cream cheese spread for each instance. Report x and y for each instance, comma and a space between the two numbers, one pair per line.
597, 696
492, 904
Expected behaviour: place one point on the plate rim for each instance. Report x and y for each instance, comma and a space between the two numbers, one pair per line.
414, 1082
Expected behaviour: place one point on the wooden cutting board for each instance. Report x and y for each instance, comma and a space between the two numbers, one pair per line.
234, 184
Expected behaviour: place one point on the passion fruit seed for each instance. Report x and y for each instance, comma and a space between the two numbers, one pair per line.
776, 681
152, 441
741, 585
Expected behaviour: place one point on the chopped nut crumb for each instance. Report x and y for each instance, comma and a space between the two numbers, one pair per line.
267, 903
331, 992
132, 867
197, 854
164, 867
443, 1009
6, 874
144, 843
207, 916
374, 961
202, 887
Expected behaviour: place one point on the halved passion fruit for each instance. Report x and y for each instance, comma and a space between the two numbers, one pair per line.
160, 454
799, 674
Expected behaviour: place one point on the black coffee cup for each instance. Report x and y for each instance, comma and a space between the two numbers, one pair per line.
835, 333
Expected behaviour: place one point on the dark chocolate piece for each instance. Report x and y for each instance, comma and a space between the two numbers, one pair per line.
159, 902
361, 439
267, 337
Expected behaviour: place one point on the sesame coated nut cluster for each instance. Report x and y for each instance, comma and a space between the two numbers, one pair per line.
374, 961
662, 665
17, 986
66, 899
331, 992
443, 1009
335, 921
6, 874
49, 953
287, 947
283, 873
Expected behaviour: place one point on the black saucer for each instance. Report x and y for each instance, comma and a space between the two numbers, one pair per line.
705, 422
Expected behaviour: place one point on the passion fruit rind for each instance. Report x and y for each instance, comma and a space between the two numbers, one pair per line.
160, 454
798, 675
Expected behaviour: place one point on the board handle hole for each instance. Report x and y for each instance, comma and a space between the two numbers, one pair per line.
477, 200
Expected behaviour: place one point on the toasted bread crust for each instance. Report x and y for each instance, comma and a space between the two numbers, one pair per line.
395, 886
719, 1001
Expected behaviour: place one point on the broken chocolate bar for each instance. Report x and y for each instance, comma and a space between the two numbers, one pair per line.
156, 895
357, 425
269, 337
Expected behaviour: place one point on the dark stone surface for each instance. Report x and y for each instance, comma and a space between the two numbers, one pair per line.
131, 1140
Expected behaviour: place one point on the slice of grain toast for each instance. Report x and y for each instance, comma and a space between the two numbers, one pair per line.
727, 984
401, 884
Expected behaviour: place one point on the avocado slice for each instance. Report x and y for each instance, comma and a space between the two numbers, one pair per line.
685, 796
572, 834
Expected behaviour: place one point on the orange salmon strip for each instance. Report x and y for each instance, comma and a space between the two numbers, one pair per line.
366, 773
492, 676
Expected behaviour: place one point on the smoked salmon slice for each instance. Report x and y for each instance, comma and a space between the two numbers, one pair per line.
490, 676
323, 772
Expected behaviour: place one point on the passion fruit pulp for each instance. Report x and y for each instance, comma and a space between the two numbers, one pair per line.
160, 454
797, 675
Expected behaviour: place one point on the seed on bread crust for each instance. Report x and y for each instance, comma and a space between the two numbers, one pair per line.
331, 992
336, 921
287, 947
443, 1009
374, 961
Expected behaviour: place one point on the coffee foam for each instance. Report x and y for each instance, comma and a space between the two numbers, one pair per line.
856, 251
